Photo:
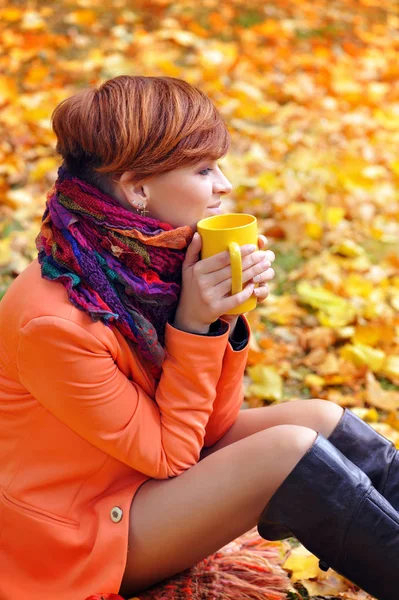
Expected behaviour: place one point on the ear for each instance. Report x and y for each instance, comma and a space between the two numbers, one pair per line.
134, 192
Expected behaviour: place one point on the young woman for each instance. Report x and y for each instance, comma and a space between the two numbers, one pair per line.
124, 457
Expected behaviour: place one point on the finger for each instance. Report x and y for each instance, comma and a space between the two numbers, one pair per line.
258, 273
263, 277
224, 275
222, 259
256, 257
232, 301
266, 275
261, 292
262, 241
193, 251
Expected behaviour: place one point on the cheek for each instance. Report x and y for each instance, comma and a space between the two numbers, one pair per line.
193, 195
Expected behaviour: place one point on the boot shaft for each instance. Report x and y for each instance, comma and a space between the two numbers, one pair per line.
330, 505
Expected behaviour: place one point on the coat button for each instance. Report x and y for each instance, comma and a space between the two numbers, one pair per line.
116, 514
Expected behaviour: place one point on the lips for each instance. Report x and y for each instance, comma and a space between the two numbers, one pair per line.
214, 210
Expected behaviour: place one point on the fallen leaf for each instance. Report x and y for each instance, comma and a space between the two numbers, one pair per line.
268, 384
302, 563
360, 355
376, 396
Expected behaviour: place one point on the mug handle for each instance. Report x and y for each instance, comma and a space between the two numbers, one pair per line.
236, 268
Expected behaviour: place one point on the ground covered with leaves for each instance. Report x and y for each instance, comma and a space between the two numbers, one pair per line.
310, 92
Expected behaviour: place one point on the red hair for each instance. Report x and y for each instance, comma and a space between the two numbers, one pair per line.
148, 125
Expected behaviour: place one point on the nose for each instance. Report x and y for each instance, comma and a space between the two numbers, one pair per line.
221, 184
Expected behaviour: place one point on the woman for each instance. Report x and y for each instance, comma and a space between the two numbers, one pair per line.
124, 455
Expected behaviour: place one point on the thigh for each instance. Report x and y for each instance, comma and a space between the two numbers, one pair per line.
177, 522
320, 415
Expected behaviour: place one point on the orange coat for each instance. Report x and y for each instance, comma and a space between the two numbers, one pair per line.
82, 426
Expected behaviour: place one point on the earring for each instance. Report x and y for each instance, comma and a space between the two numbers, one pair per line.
142, 209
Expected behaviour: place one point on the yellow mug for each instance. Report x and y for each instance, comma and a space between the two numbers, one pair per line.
229, 232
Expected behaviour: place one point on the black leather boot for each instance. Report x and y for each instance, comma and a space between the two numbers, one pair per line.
332, 508
371, 452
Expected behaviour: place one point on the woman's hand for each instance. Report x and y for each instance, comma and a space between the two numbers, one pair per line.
260, 292
206, 284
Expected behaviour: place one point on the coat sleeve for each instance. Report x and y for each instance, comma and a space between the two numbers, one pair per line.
229, 392
72, 373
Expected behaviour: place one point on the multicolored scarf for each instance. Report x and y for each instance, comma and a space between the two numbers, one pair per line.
116, 265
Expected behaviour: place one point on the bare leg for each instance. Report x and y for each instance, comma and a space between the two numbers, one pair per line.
177, 522
320, 415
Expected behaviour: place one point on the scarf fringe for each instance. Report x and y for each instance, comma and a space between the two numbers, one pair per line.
247, 569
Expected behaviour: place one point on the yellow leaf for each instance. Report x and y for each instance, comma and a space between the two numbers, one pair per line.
371, 335
36, 74
390, 368
371, 416
394, 299
43, 167
362, 355
319, 297
395, 167
248, 91
8, 89
334, 215
357, 285
376, 90
313, 380
348, 248
11, 14
337, 316
348, 88
267, 384
314, 230
308, 209
388, 119
82, 17
282, 310
385, 229
387, 431
5, 252
302, 563
334, 310
269, 182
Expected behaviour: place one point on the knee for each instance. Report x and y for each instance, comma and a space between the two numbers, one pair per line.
325, 411
292, 439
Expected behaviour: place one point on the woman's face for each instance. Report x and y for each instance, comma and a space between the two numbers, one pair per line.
179, 197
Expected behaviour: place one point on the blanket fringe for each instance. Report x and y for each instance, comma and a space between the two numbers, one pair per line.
248, 568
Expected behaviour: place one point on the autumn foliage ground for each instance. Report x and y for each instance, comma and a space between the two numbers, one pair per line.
310, 91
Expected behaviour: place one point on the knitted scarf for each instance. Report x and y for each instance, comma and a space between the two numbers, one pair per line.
116, 266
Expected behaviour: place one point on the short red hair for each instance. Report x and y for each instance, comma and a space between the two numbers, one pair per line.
148, 125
